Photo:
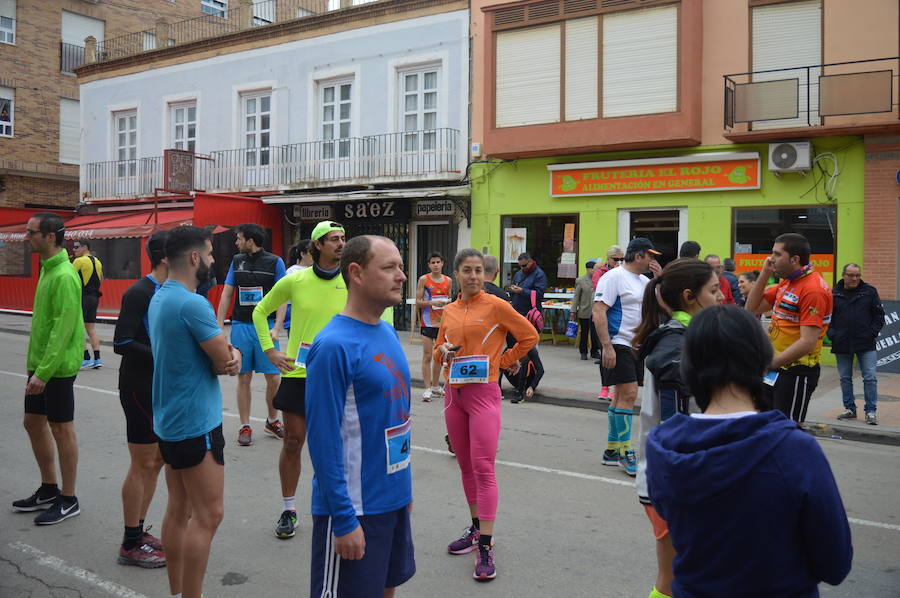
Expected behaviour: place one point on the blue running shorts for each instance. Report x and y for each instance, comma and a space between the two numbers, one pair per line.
243, 337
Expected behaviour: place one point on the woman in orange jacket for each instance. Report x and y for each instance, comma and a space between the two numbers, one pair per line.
471, 343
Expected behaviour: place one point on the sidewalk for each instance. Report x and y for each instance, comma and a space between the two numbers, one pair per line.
571, 382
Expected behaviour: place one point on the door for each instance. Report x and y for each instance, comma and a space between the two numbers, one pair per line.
257, 112
439, 236
667, 229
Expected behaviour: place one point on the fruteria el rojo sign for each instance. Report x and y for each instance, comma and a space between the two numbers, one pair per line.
729, 171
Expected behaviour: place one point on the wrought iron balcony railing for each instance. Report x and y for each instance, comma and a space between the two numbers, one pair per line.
803, 96
393, 157
71, 57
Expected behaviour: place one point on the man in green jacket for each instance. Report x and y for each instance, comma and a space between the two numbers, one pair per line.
54, 357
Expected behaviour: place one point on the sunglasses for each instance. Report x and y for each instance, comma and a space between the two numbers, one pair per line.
618, 259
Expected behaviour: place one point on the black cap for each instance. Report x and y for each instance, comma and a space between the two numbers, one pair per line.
156, 245
641, 245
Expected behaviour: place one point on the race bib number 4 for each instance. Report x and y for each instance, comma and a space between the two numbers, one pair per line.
471, 369
302, 354
397, 442
250, 295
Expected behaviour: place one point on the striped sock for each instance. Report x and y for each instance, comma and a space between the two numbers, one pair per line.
623, 427
612, 438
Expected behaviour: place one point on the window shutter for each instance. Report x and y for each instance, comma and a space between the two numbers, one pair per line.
528, 76
582, 69
640, 62
69, 131
786, 36
8, 8
76, 27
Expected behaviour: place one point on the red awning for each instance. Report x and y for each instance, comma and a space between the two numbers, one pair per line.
111, 225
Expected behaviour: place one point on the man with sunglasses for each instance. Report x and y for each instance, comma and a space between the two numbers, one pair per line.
54, 351
91, 271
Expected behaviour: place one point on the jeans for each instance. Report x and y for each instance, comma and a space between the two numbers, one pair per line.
588, 330
866, 361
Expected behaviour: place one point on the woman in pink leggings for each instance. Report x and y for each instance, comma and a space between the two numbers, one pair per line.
471, 343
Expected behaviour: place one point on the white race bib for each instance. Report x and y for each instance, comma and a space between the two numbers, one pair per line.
471, 369
302, 354
250, 295
397, 443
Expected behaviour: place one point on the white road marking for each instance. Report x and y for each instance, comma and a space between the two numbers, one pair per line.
57, 564
538, 468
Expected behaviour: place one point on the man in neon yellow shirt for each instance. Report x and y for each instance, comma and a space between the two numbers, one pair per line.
54, 354
316, 295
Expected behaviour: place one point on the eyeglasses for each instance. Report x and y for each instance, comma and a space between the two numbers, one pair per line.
76, 246
31, 233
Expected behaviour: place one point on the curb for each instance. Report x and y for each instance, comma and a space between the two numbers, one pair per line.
584, 400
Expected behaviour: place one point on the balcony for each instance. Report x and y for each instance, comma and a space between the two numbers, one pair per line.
854, 97
71, 57
428, 155
257, 14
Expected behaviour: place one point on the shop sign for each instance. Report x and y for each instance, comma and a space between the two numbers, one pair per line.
373, 210
321, 212
747, 262
888, 343
704, 172
179, 170
514, 240
434, 207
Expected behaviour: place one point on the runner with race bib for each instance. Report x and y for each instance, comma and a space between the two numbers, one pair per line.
471, 343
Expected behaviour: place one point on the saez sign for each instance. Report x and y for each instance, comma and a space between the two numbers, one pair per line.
721, 171
373, 210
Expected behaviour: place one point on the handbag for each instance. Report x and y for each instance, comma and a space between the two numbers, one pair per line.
534, 315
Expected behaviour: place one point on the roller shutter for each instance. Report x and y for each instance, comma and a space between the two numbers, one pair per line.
69, 131
582, 70
76, 27
528, 76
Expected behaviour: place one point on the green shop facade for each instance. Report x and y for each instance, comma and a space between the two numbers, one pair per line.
566, 210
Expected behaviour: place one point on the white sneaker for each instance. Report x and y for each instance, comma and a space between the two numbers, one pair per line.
437, 391
426, 396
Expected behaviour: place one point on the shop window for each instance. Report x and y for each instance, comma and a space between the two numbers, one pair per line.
755, 230
15, 258
121, 258
544, 237
224, 250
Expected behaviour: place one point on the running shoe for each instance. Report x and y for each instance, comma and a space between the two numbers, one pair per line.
98, 363
87, 364
276, 429
245, 436
847, 414
437, 391
58, 512
426, 396
151, 540
629, 462
35, 502
466, 543
287, 525
871, 419
611, 457
604, 393
142, 555
484, 565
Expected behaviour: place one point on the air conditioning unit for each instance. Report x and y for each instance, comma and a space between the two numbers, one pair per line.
790, 156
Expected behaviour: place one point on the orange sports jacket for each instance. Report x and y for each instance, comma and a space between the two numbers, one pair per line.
480, 326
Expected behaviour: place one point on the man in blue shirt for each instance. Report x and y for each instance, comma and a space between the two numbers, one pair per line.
189, 352
529, 278
358, 430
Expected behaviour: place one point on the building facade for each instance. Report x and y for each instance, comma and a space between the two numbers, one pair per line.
725, 122
359, 115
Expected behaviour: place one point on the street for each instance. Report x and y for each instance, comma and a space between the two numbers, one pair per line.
566, 525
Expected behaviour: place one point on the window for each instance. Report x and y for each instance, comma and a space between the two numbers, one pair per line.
7, 98
15, 259
419, 108
756, 228
149, 40
121, 258
786, 36
125, 127
336, 99
76, 27
545, 241
304, 12
214, 7
184, 126
609, 62
257, 111
69, 131
8, 21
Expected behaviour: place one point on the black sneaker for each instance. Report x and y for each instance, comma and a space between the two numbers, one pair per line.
35, 502
287, 525
58, 512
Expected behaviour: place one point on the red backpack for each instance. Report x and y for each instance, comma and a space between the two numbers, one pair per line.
534, 315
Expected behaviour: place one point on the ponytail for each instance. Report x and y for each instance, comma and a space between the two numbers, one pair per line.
651, 313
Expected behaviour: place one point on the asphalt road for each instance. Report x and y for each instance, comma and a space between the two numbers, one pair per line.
566, 525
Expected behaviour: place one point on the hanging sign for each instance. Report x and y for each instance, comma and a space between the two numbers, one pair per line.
703, 172
320, 212
887, 344
434, 207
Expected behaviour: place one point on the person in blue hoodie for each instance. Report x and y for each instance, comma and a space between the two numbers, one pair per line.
750, 500
671, 299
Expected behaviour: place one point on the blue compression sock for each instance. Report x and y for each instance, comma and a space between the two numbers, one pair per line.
623, 427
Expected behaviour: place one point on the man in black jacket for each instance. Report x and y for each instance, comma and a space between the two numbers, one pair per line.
855, 323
